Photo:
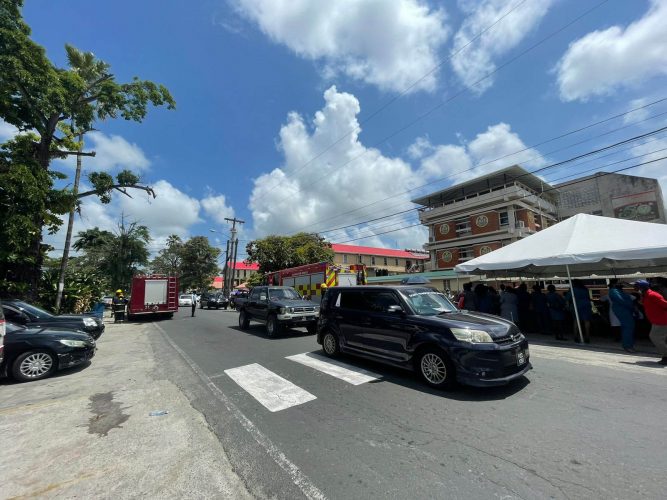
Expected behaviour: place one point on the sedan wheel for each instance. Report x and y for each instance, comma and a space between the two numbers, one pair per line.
436, 369
34, 365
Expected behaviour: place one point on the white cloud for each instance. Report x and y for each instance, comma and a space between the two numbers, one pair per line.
639, 114
478, 59
603, 61
389, 44
494, 149
171, 212
346, 177
114, 152
7, 131
215, 206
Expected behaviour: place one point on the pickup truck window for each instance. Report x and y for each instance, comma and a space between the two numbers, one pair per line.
284, 294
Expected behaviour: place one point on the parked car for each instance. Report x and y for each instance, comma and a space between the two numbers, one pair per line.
279, 307
108, 301
22, 313
238, 299
33, 353
2, 333
185, 299
216, 300
418, 328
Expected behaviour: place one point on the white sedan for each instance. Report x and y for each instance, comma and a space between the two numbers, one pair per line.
185, 300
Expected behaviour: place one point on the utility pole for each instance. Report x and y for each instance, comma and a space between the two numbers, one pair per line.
234, 247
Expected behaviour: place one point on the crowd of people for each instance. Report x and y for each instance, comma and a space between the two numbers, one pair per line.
554, 313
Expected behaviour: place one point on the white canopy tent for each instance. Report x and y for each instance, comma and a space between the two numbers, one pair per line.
583, 245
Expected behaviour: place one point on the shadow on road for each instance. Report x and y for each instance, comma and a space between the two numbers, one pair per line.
259, 330
647, 364
410, 380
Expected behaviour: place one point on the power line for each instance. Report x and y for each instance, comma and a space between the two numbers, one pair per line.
465, 90
449, 176
532, 172
546, 190
406, 90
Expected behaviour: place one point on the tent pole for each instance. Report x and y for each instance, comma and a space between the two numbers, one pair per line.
574, 302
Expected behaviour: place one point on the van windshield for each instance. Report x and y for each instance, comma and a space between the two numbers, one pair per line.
428, 302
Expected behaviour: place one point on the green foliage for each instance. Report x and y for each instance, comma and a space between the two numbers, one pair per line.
84, 285
28, 203
54, 105
279, 252
118, 255
254, 280
168, 260
199, 263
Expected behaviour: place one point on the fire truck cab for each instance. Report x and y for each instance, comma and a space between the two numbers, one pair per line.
308, 279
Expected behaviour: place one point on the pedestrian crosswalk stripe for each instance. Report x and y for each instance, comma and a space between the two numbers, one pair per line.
270, 389
335, 368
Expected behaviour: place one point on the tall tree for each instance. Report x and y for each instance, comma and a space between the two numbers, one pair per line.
199, 263
279, 252
57, 104
168, 260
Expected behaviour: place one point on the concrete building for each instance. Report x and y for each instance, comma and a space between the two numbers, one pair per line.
612, 195
241, 274
483, 214
380, 261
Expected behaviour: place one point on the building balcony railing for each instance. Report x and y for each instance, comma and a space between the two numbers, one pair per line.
506, 192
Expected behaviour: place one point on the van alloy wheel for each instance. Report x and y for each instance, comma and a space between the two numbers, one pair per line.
330, 344
433, 368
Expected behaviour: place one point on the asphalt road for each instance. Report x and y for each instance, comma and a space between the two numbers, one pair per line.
581, 424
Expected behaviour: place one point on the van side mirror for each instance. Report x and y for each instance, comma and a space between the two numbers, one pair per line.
395, 309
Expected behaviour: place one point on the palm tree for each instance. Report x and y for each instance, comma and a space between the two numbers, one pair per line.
118, 254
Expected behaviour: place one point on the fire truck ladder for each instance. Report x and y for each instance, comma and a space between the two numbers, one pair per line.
171, 290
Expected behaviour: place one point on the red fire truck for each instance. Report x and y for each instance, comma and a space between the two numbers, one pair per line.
308, 279
154, 294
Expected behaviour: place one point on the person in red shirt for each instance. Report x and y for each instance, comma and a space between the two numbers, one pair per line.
655, 307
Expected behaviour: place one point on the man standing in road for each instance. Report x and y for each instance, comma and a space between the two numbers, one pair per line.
194, 304
655, 307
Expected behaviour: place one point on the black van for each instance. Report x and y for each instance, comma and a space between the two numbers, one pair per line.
418, 328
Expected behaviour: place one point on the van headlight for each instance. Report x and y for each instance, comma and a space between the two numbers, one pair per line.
472, 336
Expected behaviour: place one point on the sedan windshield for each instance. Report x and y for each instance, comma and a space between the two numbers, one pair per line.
428, 302
283, 294
33, 310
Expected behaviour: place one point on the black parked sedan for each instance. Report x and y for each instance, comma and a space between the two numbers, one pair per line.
22, 313
36, 353
418, 328
214, 300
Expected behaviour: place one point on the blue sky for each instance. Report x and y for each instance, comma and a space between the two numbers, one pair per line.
264, 86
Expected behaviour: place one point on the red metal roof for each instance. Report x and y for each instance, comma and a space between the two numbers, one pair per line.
241, 265
382, 252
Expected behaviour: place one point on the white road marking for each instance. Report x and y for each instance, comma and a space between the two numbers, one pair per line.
298, 478
343, 371
270, 389
616, 361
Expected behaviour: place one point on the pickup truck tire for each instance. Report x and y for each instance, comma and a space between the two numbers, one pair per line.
273, 327
244, 320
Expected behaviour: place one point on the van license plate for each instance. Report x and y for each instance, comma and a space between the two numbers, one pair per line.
520, 358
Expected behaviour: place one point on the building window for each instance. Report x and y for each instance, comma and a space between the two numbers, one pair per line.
344, 258
361, 260
395, 262
466, 253
244, 273
385, 261
372, 260
504, 218
463, 227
